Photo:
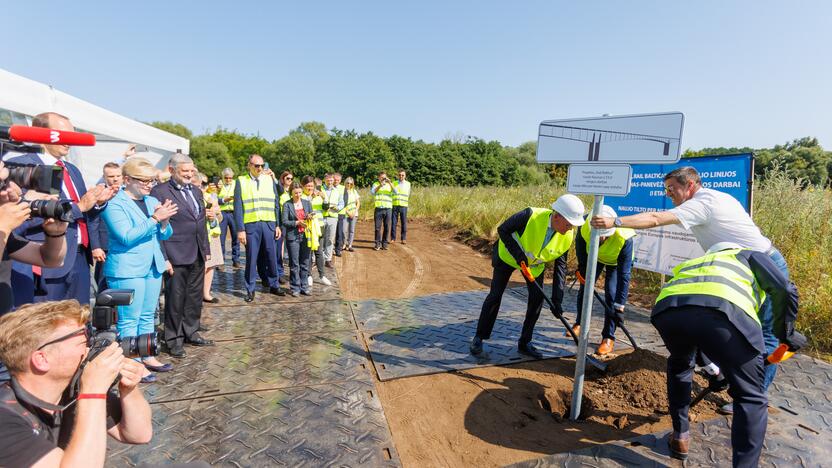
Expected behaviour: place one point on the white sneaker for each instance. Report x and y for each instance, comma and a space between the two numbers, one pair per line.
326, 281
309, 280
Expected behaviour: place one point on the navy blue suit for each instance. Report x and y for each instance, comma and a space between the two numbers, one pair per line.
72, 279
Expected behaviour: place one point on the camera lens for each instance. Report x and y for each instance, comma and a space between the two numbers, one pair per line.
54, 209
143, 346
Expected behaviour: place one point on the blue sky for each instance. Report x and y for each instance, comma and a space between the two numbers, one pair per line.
751, 73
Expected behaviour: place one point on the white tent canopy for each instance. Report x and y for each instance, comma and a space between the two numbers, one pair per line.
115, 132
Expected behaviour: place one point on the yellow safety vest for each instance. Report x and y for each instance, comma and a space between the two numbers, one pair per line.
313, 233
316, 202
719, 274
227, 191
333, 198
284, 198
537, 254
258, 203
402, 195
383, 197
349, 207
608, 251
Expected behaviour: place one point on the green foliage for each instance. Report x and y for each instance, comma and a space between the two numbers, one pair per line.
209, 156
175, 128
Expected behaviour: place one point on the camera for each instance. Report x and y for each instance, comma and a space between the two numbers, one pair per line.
38, 177
54, 209
103, 321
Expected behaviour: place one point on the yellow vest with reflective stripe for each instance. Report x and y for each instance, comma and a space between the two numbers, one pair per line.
284, 198
402, 195
349, 206
227, 191
334, 196
531, 242
316, 202
718, 274
608, 251
383, 198
258, 203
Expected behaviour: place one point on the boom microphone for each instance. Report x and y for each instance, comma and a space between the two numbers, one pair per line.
46, 136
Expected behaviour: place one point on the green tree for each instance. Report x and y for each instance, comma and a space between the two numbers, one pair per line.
209, 156
172, 127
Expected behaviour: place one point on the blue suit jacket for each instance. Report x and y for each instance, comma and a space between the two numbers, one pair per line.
290, 230
134, 238
33, 231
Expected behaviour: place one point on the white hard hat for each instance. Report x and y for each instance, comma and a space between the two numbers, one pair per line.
607, 212
571, 208
720, 246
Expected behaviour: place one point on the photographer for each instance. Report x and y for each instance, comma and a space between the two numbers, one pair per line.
43, 345
383, 192
72, 279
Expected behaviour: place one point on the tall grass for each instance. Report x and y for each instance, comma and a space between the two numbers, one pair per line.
797, 220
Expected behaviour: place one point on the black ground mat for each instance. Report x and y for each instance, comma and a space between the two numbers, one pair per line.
339, 424
271, 362
227, 323
229, 287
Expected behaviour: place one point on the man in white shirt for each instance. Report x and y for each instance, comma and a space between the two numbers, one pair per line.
712, 217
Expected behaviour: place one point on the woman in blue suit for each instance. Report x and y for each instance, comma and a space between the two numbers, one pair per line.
294, 215
136, 222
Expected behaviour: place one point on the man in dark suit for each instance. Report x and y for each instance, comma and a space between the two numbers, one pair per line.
72, 279
100, 237
186, 252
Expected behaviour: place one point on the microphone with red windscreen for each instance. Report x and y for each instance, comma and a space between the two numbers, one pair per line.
45, 136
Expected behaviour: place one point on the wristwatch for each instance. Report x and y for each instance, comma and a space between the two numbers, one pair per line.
617, 222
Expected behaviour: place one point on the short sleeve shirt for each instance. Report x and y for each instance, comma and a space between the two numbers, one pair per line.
713, 216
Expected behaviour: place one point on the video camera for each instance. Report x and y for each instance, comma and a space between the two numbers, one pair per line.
103, 322
39, 177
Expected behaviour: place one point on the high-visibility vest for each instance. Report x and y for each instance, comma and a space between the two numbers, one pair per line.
313, 233
383, 196
608, 251
720, 274
333, 197
284, 198
213, 231
316, 202
537, 254
349, 206
227, 191
402, 195
258, 203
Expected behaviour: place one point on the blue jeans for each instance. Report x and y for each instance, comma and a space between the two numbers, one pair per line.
299, 255
229, 226
138, 318
766, 315
610, 290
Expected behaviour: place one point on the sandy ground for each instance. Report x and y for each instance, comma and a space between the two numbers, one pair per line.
493, 416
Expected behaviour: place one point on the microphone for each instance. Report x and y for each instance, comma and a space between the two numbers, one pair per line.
46, 136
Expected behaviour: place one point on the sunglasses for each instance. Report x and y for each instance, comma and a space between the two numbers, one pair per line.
86, 330
259, 166
289, 177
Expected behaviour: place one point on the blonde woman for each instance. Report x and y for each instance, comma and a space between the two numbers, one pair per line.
352, 202
213, 217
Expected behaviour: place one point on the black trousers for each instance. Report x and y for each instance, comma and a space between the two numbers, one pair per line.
183, 302
399, 213
339, 234
491, 306
382, 218
689, 328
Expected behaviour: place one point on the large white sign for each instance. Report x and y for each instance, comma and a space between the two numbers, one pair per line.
599, 179
628, 139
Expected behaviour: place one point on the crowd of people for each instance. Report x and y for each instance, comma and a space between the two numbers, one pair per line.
160, 233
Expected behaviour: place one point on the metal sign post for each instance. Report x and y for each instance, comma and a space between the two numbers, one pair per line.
586, 316
600, 150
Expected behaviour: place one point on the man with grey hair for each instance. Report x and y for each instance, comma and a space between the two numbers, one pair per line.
186, 252
229, 222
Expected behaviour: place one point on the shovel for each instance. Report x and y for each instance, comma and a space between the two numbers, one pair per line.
528, 274
618, 320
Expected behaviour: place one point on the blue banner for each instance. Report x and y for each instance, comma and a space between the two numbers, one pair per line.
660, 249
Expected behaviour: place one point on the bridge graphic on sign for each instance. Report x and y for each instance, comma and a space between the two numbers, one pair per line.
594, 137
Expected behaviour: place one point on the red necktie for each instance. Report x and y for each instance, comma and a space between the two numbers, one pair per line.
82, 224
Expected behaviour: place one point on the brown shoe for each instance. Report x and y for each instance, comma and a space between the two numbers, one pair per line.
575, 329
605, 347
678, 447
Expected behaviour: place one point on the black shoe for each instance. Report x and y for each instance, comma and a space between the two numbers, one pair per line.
376, 248
282, 280
278, 291
529, 350
328, 264
203, 328
249, 297
177, 352
196, 340
213, 300
476, 346
384, 248
237, 265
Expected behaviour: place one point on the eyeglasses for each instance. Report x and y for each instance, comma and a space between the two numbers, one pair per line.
288, 177
85, 330
259, 166
143, 181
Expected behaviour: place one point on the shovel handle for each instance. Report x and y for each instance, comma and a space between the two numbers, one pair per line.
526, 272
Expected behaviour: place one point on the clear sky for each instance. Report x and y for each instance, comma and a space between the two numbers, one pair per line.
753, 73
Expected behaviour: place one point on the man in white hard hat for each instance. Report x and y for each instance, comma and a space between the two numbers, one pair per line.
615, 260
544, 236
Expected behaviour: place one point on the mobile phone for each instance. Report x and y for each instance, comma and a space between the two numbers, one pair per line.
266, 167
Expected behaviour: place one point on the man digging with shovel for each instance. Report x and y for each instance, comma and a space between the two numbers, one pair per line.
544, 236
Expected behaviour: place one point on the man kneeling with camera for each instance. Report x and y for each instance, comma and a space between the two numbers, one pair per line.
48, 415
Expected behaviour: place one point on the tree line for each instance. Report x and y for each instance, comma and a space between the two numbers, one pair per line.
311, 148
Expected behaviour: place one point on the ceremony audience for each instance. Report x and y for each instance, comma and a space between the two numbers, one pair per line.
217, 259
294, 219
